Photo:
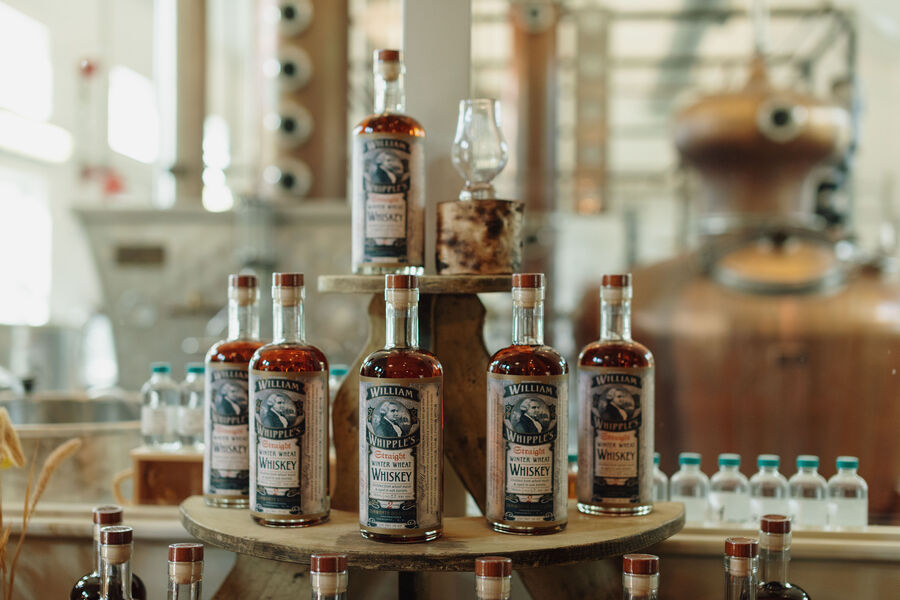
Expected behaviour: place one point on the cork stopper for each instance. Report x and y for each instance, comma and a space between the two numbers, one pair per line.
287, 288
741, 547
775, 533
110, 514
401, 291
388, 64
328, 573
640, 564
493, 566
775, 524
115, 544
186, 562
186, 552
328, 563
243, 288
527, 289
615, 287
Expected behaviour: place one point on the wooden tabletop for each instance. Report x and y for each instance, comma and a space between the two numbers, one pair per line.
464, 539
428, 284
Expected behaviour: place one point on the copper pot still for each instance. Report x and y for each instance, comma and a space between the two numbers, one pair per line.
766, 340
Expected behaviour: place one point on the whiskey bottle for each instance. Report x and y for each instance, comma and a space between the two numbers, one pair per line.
640, 577
615, 391
289, 424
741, 563
527, 422
400, 427
226, 429
774, 558
88, 587
185, 571
115, 562
493, 578
328, 576
388, 179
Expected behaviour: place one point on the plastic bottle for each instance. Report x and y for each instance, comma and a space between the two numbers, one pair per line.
189, 423
690, 486
808, 504
768, 489
660, 481
729, 491
158, 408
848, 496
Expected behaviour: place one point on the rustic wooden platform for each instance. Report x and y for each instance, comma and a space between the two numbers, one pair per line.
465, 538
428, 284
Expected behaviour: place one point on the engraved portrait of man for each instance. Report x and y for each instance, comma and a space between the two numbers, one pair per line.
279, 411
619, 405
230, 399
386, 167
393, 420
533, 416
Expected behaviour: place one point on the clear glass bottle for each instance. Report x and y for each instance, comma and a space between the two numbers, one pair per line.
160, 399
88, 587
690, 486
388, 179
809, 491
660, 481
848, 496
774, 559
116, 548
729, 491
769, 492
189, 424
289, 418
527, 423
226, 422
615, 395
400, 427
493, 578
185, 571
741, 565
640, 577
328, 576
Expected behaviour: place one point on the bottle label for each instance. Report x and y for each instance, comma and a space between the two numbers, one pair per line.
226, 468
153, 420
616, 438
400, 453
527, 448
190, 421
388, 200
289, 439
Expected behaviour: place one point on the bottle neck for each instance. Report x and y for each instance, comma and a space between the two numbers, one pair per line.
640, 587
115, 579
287, 323
402, 325
615, 320
773, 565
390, 95
243, 321
98, 561
184, 591
322, 596
528, 324
740, 578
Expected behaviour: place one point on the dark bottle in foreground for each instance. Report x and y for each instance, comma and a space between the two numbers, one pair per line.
328, 576
185, 571
116, 548
741, 563
774, 559
493, 578
400, 427
88, 587
527, 422
226, 429
640, 577
615, 429
289, 418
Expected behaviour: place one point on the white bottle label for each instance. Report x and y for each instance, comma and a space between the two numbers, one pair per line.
153, 420
289, 440
527, 449
400, 454
226, 467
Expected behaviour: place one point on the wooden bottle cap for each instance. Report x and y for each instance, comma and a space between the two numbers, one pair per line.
328, 563
741, 547
622, 280
287, 279
640, 564
107, 515
493, 566
242, 281
187, 552
528, 280
775, 524
116, 535
401, 282
387, 55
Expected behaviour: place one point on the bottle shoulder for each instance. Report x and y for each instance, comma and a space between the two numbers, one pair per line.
233, 351
616, 353
289, 357
528, 361
401, 363
395, 123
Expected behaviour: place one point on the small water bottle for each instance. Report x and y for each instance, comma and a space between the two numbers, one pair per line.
729, 491
660, 481
768, 489
160, 401
690, 486
189, 424
848, 496
808, 504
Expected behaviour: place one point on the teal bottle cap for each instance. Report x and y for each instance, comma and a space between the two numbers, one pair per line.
807, 461
688, 458
768, 460
847, 462
160, 367
729, 460
195, 367
656, 458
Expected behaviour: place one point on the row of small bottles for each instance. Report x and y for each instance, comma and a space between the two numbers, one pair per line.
112, 577
266, 418
172, 413
729, 497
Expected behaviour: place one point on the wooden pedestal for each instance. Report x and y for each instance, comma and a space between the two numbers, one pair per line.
479, 237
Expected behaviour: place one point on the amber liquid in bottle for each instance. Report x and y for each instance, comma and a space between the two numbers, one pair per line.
290, 353
235, 351
403, 360
88, 587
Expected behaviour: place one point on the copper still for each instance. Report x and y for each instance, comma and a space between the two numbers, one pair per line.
771, 337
